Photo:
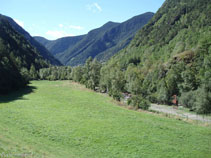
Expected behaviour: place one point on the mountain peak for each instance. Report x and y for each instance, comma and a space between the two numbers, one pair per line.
111, 23
100, 43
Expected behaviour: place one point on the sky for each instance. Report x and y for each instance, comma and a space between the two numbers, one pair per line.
54, 19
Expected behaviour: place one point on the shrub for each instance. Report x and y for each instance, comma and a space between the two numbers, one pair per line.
203, 101
199, 100
139, 102
188, 99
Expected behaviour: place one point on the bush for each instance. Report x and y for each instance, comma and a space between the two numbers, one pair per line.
203, 101
188, 100
116, 95
152, 98
199, 100
139, 102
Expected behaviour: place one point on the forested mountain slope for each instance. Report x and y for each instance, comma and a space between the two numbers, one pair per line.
171, 55
18, 59
101, 43
90, 45
59, 45
40, 48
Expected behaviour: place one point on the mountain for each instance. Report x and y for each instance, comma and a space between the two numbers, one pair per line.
59, 45
19, 60
41, 49
70, 47
178, 26
101, 43
169, 56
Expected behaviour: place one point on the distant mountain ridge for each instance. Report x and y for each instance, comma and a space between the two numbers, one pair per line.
41, 49
59, 45
100, 43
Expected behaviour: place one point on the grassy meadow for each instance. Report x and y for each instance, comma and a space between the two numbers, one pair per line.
63, 119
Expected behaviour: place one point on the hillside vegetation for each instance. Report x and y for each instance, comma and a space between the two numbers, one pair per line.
169, 56
64, 119
60, 45
40, 48
18, 59
100, 43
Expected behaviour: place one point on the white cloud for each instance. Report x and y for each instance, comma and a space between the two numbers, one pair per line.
94, 7
76, 27
20, 23
98, 7
57, 34
61, 25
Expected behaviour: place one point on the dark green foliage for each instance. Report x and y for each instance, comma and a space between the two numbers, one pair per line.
188, 100
89, 74
33, 73
198, 100
139, 102
171, 55
19, 61
163, 96
112, 81
101, 43
11, 78
203, 101
134, 80
77, 73
55, 73
40, 48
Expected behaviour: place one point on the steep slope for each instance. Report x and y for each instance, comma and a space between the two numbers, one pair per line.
18, 59
59, 45
176, 27
42, 40
104, 44
169, 56
68, 47
101, 43
90, 45
113, 40
41, 49
121, 35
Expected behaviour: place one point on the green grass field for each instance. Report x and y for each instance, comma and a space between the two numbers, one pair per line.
63, 119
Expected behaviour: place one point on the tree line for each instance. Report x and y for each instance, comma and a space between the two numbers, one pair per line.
158, 85
94, 77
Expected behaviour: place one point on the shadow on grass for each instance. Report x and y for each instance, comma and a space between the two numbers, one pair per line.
16, 94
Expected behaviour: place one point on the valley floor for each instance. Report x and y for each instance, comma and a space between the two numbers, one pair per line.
64, 119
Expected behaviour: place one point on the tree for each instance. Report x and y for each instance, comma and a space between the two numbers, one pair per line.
33, 73
139, 102
134, 80
105, 81
94, 74
203, 100
86, 72
163, 95
189, 81
77, 73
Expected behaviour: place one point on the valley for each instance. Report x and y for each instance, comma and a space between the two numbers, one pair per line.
140, 87
64, 119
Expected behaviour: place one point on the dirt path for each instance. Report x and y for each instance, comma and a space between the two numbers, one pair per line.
180, 113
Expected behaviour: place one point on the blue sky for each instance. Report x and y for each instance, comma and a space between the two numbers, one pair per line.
53, 19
